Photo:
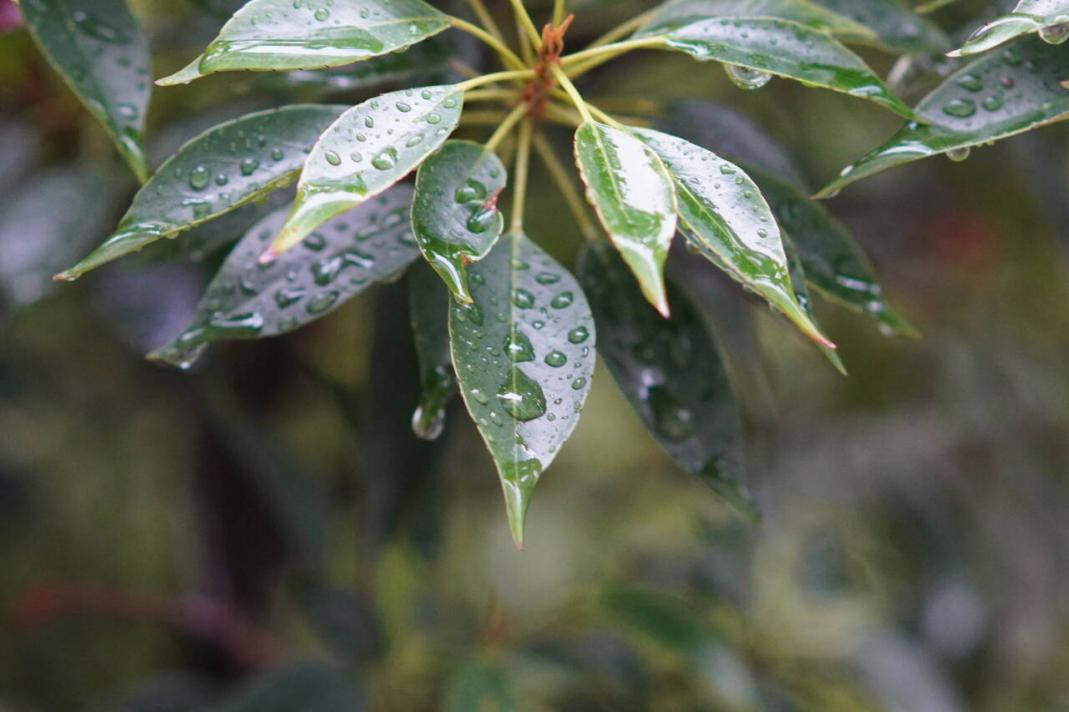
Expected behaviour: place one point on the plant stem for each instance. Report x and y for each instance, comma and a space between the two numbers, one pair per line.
526, 50
507, 55
523, 165
482, 14
491, 95
506, 126
573, 93
526, 24
558, 12
611, 50
563, 115
622, 30
495, 77
567, 188
605, 118
482, 118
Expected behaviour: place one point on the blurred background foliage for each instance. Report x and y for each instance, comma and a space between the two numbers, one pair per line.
267, 534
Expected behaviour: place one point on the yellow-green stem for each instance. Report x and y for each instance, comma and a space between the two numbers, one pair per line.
526, 24
563, 115
482, 14
622, 30
508, 57
567, 188
506, 126
523, 164
610, 50
495, 77
558, 12
573, 93
491, 95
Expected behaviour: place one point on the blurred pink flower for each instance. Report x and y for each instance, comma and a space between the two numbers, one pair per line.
9, 16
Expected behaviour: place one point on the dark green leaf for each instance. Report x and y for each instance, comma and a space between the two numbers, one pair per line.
1049, 18
454, 214
267, 35
663, 618
1000, 94
305, 686
829, 258
671, 372
429, 308
369, 148
634, 199
679, 13
723, 209
898, 27
222, 169
523, 352
251, 299
801, 290
785, 49
99, 50
480, 686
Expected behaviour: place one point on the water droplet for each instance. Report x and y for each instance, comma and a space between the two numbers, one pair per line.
403, 107
428, 428
577, 384
288, 296
959, 154
547, 278
199, 177
562, 300
385, 160
248, 166
332, 158
992, 103
518, 347
960, 108
322, 14
578, 335
322, 302
746, 78
970, 82
277, 154
479, 396
1055, 34
522, 397
523, 299
555, 359
482, 220
471, 191
672, 420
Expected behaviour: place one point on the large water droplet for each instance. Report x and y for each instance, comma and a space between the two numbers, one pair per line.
385, 160
248, 166
1055, 34
428, 426
746, 78
555, 359
959, 154
199, 177
960, 108
672, 420
522, 397
518, 347
578, 335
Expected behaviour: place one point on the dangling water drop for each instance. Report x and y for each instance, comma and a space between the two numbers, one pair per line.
959, 154
746, 78
1055, 34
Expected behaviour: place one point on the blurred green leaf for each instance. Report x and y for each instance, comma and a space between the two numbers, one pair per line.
671, 372
429, 308
1000, 94
480, 686
633, 196
801, 290
271, 35
220, 170
369, 148
723, 209
1048, 18
455, 218
99, 50
898, 27
523, 352
251, 299
762, 47
306, 686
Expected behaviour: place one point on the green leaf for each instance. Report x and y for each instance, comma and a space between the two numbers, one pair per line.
998, 95
369, 148
428, 303
271, 35
679, 13
785, 49
523, 352
99, 50
224, 168
898, 27
480, 686
671, 372
454, 214
663, 618
1049, 18
801, 290
724, 211
251, 299
634, 199
831, 260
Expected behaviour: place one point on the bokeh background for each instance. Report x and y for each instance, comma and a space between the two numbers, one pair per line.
266, 533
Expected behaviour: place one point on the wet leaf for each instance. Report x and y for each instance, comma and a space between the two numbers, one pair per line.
679, 13
998, 95
1048, 18
99, 50
454, 215
724, 211
369, 148
251, 299
801, 290
428, 303
768, 46
224, 168
272, 35
524, 357
830, 259
898, 27
634, 199
671, 372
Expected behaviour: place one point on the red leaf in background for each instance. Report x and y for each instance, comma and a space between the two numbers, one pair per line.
9, 16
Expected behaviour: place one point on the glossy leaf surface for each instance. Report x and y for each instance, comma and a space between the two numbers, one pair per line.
634, 199
454, 214
524, 357
99, 50
1049, 18
724, 210
679, 13
428, 304
250, 299
784, 49
1000, 94
270, 35
801, 291
369, 148
222, 169
897, 26
670, 371
830, 259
